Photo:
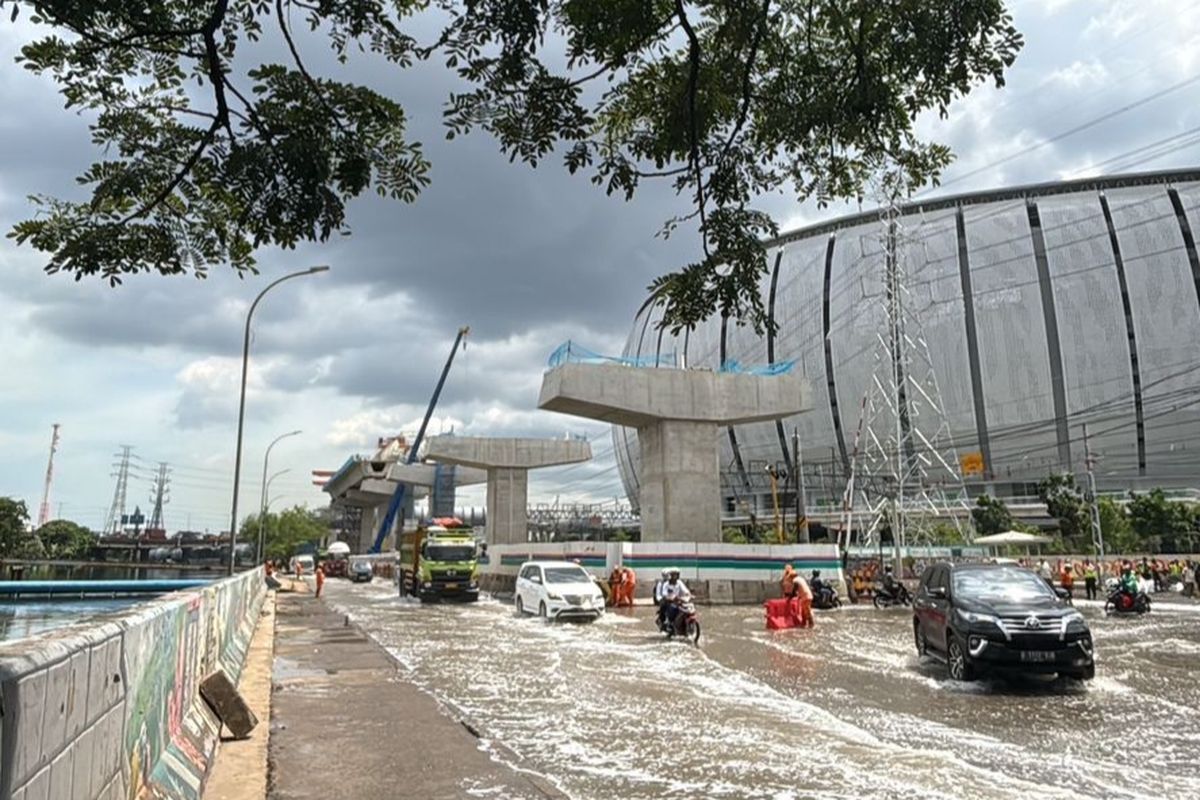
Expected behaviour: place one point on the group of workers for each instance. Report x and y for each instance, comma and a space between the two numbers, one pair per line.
621, 583
1146, 576
270, 567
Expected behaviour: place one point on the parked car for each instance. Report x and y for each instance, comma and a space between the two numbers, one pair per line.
557, 590
361, 571
984, 618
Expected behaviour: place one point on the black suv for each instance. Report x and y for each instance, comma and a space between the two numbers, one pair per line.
980, 618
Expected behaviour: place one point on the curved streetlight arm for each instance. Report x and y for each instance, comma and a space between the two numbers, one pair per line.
237, 460
262, 502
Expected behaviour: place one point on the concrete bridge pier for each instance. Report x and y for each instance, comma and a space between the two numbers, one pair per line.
678, 415
507, 462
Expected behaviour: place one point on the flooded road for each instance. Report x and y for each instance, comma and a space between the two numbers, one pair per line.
844, 710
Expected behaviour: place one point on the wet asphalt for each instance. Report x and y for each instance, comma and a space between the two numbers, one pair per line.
847, 709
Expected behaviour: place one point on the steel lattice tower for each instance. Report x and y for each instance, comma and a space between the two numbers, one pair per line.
159, 495
114, 523
904, 471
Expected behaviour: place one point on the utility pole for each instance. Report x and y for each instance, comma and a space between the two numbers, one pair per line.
802, 536
114, 523
1089, 462
44, 510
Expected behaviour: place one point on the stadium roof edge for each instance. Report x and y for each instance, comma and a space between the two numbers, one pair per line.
1098, 183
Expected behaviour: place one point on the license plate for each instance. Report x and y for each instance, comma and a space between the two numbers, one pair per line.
1038, 656
451, 586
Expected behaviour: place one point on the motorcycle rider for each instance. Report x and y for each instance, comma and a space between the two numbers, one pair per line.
892, 587
658, 585
1129, 583
819, 587
674, 591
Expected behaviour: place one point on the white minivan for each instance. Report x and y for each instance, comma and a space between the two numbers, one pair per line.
558, 590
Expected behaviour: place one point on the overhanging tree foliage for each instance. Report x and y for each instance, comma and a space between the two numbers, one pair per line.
729, 100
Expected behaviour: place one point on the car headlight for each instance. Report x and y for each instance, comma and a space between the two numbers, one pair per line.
975, 619
553, 596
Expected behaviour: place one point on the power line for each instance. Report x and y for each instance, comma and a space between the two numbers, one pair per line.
1067, 133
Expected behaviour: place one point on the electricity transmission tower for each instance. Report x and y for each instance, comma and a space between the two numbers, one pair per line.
904, 472
44, 509
160, 495
114, 523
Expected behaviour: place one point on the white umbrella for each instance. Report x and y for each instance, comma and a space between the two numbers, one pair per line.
339, 549
1011, 537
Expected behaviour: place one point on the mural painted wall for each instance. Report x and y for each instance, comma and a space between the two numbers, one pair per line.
143, 731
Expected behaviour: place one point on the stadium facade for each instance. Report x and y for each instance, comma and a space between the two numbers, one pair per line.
1044, 307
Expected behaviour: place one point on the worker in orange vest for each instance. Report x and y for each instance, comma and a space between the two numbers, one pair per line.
628, 583
320, 573
787, 582
614, 586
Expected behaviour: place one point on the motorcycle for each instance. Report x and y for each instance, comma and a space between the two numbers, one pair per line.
687, 624
883, 599
1122, 602
825, 598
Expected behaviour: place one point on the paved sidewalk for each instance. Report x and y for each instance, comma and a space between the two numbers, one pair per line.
346, 724
240, 769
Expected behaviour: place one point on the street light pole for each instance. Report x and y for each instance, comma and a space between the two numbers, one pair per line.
262, 503
237, 459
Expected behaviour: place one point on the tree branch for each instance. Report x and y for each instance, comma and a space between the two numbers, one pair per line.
187, 167
693, 134
308, 78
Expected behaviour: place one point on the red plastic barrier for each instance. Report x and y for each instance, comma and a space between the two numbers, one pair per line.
781, 614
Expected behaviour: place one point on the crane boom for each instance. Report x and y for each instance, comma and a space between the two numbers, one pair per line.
397, 501
44, 509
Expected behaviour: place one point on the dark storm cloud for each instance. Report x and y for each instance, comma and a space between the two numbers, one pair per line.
502, 247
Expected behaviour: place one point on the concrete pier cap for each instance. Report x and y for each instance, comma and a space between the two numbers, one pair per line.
507, 462
678, 414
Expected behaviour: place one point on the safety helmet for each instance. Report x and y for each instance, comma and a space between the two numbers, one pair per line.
666, 573
673, 572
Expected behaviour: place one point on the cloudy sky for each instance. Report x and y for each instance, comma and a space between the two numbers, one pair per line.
527, 258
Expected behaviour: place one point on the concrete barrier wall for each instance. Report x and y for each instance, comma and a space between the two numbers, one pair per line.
113, 710
716, 573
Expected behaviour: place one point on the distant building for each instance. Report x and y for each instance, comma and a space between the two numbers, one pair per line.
1044, 306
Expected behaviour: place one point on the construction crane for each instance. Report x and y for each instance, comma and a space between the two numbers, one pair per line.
44, 510
397, 501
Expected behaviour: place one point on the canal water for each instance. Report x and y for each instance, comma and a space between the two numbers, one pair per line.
28, 617
843, 710
22, 618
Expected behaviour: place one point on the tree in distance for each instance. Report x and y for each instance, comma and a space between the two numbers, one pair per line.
16, 540
286, 531
728, 100
64, 539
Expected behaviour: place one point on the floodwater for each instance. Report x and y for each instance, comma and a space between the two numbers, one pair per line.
22, 618
844, 710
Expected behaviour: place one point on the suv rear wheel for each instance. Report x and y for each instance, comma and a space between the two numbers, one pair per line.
958, 663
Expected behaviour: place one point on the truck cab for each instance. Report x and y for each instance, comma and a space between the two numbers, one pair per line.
439, 563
